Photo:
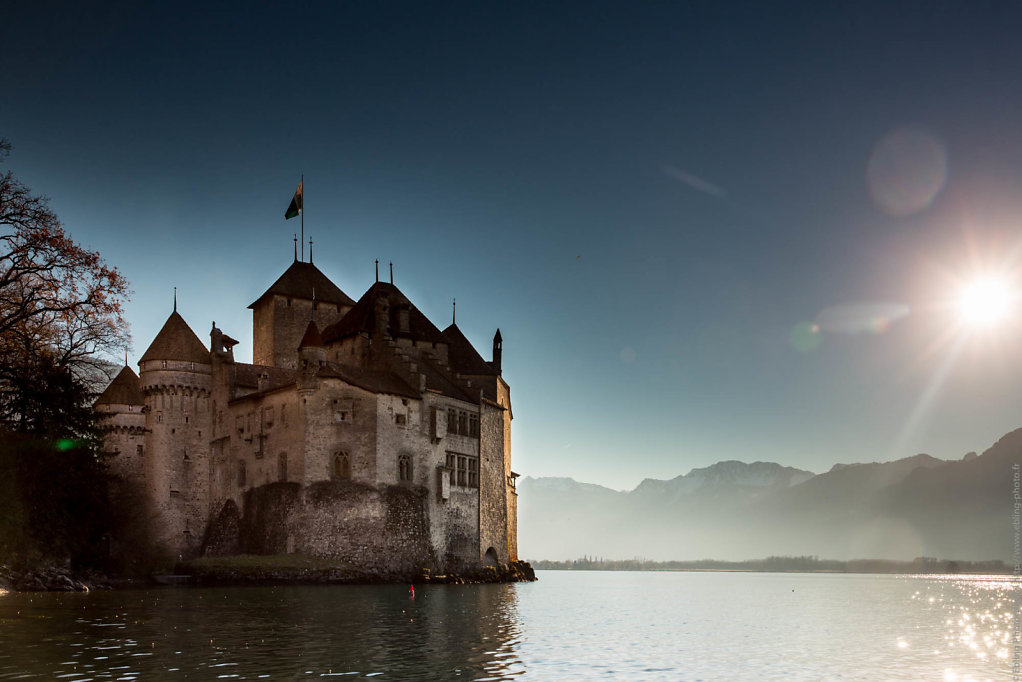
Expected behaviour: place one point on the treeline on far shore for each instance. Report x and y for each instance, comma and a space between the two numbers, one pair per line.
800, 564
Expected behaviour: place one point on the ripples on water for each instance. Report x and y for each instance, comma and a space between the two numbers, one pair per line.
570, 625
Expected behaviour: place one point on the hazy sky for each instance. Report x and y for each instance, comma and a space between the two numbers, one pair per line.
706, 230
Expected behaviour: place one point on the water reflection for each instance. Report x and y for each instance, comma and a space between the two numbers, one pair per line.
569, 626
251, 633
977, 614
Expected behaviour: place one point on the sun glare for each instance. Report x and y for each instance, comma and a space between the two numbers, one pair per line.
985, 301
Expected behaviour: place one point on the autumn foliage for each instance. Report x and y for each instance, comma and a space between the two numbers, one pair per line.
56, 297
60, 323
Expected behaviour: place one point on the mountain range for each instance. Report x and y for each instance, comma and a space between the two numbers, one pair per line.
903, 509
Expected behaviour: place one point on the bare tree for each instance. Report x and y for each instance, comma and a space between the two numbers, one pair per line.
57, 299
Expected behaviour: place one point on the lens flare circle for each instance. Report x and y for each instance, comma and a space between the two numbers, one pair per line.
985, 301
906, 171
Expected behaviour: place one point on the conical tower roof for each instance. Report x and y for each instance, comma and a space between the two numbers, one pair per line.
123, 390
304, 280
462, 356
312, 337
176, 341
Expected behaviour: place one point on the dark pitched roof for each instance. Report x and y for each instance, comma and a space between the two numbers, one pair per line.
462, 356
123, 390
362, 317
248, 375
440, 381
301, 280
176, 341
312, 336
371, 380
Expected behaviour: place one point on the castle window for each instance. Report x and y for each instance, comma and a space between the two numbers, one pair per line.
463, 423
473, 425
452, 466
138, 450
241, 473
464, 470
400, 419
452, 421
289, 303
268, 416
159, 417
282, 467
186, 419
239, 424
342, 466
164, 364
404, 468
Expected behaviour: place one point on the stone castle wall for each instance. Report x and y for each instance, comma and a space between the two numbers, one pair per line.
369, 528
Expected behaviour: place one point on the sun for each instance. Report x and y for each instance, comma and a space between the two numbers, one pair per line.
986, 301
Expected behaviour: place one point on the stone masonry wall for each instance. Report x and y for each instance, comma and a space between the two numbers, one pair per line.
492, 503
381, 529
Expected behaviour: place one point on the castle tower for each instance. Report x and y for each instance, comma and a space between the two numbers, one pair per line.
281, 315
122, 419
175, 380
498, 504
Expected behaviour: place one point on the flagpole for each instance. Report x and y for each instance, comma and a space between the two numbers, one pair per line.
302, 212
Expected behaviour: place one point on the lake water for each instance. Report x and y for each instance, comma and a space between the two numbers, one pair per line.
571, 625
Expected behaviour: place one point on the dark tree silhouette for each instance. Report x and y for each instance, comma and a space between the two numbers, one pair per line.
60, 314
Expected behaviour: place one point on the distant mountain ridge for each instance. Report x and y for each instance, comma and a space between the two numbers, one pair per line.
911, 507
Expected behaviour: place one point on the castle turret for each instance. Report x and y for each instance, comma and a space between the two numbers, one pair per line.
120, 410
311, 355
175, 379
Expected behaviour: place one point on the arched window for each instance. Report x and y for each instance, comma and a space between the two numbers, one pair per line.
342, 465
282, 467
404, 468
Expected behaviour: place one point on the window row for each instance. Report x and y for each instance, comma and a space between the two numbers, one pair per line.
460, 422
252, 422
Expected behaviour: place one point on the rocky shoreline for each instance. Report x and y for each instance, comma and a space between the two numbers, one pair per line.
519, 571
51, 579
63, 579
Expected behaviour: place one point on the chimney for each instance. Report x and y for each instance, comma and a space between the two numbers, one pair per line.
498, 348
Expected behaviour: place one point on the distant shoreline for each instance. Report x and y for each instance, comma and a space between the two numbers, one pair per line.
787, 564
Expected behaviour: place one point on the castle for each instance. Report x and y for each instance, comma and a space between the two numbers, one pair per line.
361, 433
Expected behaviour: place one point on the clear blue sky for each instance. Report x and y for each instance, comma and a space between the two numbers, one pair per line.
653, 201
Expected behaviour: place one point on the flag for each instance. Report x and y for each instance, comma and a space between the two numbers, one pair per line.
296, 204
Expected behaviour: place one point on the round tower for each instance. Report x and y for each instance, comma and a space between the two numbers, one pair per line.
175, 374
120, 410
